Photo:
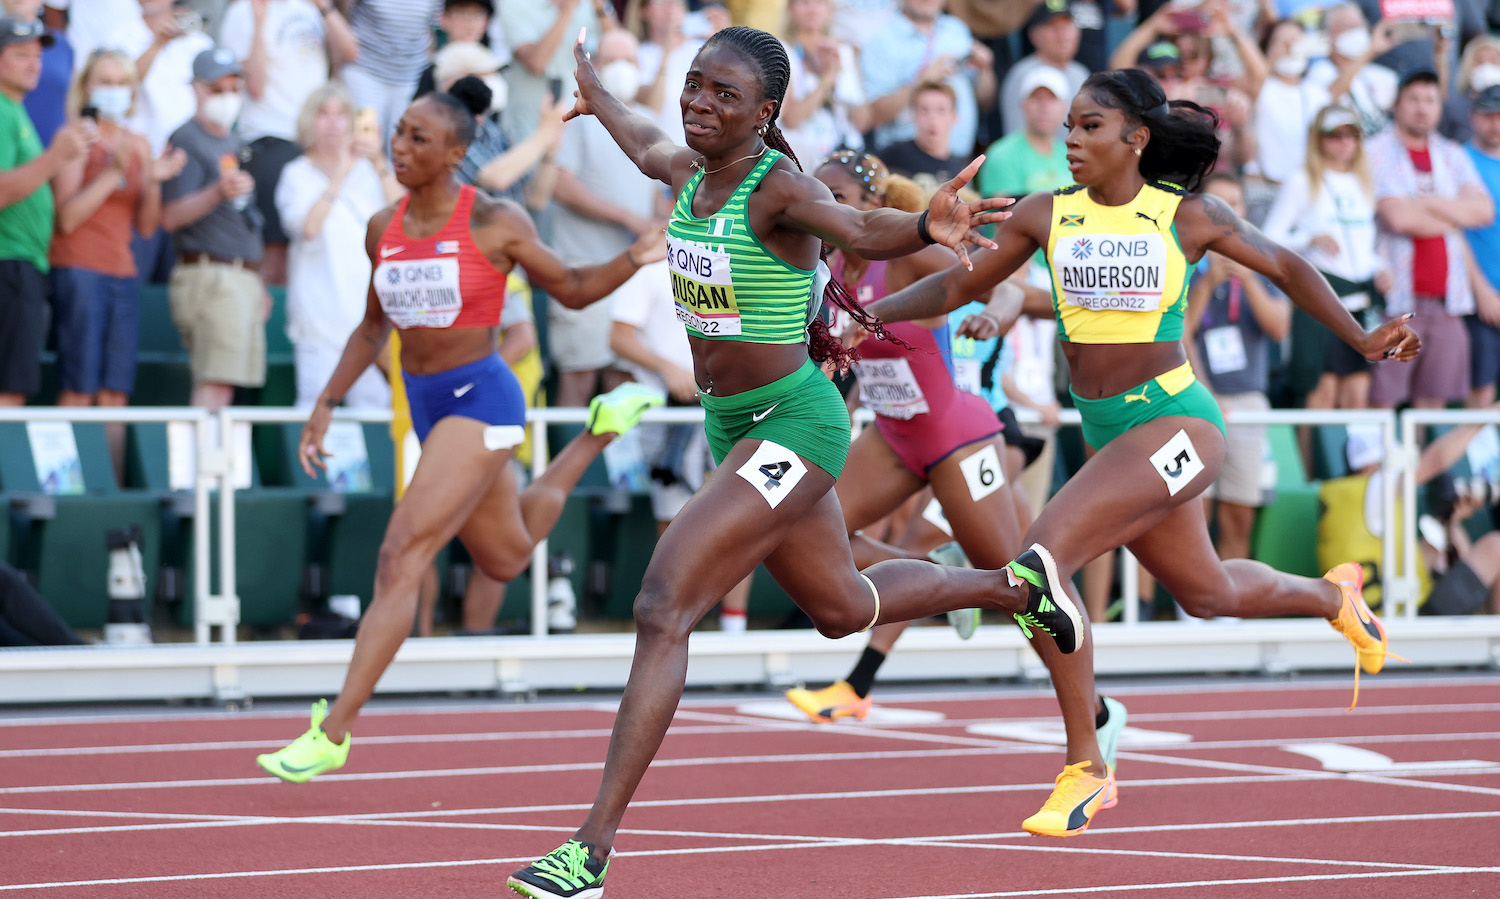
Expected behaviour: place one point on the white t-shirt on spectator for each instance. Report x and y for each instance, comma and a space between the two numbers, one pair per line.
828, 127
104, 23
166, 100
1371, 95
1343, 209
328, 278
592, 156
296, 63
1283, 113
855, 20
669, 115
645, 301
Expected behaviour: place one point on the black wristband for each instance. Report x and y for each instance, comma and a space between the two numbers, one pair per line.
922, 231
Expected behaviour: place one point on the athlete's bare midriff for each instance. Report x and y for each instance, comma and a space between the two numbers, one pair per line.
1099, 370
727, 367
427, 351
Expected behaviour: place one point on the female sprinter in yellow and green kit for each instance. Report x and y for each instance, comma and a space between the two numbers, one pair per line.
1121, 244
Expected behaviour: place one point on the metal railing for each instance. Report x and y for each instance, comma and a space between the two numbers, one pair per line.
214, 470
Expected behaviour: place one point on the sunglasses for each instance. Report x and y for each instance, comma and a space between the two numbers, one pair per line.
25, 31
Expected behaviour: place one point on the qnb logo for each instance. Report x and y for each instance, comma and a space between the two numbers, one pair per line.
1083, 249
774, 472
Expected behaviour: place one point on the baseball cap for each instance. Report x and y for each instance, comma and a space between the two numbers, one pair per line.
17, 31
463, 58
1339, 117
1488, 100
1048, 77
1160, 55
1048, 10
211, 65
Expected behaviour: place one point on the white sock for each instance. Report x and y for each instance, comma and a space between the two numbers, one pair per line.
732, 622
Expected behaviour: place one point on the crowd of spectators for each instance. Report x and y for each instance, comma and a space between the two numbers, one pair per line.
224, 148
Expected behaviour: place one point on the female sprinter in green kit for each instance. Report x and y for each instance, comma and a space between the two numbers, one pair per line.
1121, 245
744, 243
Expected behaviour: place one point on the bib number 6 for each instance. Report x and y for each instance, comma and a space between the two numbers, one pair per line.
982, 472
1177, 462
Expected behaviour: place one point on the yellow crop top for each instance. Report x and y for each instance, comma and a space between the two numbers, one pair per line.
1118, 272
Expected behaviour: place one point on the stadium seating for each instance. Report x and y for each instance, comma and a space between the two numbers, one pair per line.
59, 539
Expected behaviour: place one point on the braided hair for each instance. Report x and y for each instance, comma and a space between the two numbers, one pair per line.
768, 55
1184, 145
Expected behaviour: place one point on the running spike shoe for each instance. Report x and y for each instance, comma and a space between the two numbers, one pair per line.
1073, 803
1048, 607
838, 700
567, 872
964, 621
1109, 742
621, 409
1357, 623
310, 754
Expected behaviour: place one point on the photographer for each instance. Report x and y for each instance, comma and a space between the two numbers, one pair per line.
1454, 575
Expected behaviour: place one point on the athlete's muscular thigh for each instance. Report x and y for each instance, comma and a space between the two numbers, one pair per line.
874, 483
1127, 487
726, 529
976, 499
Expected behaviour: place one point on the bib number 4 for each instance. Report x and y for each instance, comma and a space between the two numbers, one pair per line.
1177, 462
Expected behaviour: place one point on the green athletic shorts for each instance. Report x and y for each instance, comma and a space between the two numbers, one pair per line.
802, 412
1177, 392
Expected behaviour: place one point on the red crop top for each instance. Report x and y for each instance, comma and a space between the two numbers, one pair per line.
442, 281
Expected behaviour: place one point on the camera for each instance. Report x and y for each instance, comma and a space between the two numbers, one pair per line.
1445, 491
89, 112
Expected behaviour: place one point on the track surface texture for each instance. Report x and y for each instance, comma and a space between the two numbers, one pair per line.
1229, 787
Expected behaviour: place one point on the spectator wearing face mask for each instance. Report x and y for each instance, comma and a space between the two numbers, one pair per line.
285, 47
100, 198
1350, 74
1283, 110
523, 172
218, 301
1478, 69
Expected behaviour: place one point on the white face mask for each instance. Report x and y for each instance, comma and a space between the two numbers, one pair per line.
499, 91
222, 109
1353, 43
1483, 76
112, 102
621, 78
1292, 65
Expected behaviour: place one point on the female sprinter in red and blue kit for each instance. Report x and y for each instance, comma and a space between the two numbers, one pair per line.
440, 257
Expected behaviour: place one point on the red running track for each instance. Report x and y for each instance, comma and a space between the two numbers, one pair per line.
1240, 790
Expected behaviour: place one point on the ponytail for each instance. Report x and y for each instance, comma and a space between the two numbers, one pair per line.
1184, 145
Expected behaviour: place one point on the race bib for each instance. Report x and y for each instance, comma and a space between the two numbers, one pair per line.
702, 289
419, 293
1111, 272
888, 387
1225, 348
966, 375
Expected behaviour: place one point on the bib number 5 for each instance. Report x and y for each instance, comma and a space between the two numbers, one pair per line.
1177, 462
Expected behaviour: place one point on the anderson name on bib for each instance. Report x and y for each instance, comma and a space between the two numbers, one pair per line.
1112, 272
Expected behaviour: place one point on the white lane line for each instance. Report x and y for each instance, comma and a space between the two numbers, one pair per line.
755, 848
1387, 683
1246, 881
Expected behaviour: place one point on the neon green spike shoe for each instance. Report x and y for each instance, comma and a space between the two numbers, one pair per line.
310, 754
567, 872
1048, 607
619, 410
964, 621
